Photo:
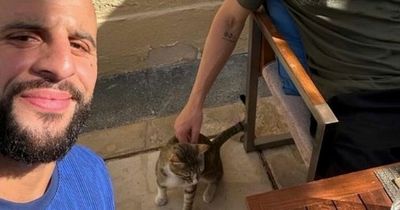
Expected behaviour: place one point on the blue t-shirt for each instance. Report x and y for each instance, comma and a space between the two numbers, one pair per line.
287, 27
79, 181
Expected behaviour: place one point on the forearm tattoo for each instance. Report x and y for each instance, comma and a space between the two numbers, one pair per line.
229, 36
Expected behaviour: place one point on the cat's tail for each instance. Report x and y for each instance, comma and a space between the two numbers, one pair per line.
228, 133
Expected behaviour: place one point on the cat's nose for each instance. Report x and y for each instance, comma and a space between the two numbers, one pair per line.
195, 179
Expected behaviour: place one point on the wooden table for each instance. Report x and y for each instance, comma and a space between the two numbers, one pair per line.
358, 190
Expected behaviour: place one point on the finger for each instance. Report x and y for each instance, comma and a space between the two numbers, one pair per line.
180, 133
195, 136
182, 137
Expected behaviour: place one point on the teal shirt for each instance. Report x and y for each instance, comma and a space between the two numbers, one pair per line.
351, 45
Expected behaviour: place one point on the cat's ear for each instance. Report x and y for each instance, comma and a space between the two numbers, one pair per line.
202, 148
174, 158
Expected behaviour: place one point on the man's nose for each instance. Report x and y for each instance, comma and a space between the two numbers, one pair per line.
55, 62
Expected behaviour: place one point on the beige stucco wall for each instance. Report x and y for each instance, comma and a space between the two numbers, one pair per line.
138, 34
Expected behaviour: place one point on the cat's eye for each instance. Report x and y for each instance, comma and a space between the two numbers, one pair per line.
178, 164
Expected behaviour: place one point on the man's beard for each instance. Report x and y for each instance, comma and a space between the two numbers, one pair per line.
25, 146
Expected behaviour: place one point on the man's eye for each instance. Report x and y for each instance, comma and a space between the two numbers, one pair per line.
79, 45
23, 39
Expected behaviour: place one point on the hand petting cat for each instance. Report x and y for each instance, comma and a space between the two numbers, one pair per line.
188, 124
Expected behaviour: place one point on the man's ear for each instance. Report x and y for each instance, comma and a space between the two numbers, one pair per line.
202, 148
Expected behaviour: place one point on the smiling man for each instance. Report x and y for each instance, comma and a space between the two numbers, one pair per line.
48, 70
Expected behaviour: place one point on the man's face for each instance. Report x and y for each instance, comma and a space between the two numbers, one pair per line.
48, 70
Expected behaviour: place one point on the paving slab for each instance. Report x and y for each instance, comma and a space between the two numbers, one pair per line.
286, 165
135, 187
117, 141
268, 120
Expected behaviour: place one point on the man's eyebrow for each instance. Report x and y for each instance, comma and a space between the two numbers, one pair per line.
32, 25
21, 25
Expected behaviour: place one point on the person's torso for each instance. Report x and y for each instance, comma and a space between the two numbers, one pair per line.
84, 183
79, 181
352, 45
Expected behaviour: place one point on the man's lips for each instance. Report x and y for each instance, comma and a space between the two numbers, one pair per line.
48, 100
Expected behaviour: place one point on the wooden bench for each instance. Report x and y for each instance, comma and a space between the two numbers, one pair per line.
265, 44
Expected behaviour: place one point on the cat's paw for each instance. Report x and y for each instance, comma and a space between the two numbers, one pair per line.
208, 198
209, 193
161, 201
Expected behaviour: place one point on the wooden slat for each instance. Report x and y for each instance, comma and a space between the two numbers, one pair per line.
300, 208
326, 205
376, 200
314, 192
349, 203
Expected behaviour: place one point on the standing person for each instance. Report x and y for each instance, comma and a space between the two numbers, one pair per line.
221, 40
48, 70
353, 53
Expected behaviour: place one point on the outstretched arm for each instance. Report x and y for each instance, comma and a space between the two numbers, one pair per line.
221, 40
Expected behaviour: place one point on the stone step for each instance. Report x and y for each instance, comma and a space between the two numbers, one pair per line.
149, 134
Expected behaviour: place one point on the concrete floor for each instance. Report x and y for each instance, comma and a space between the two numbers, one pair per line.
131, 152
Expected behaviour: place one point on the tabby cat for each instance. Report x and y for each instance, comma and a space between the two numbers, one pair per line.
183, 164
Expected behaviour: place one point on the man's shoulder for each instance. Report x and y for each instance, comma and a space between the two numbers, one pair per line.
79, 151
80, 157
83, 180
